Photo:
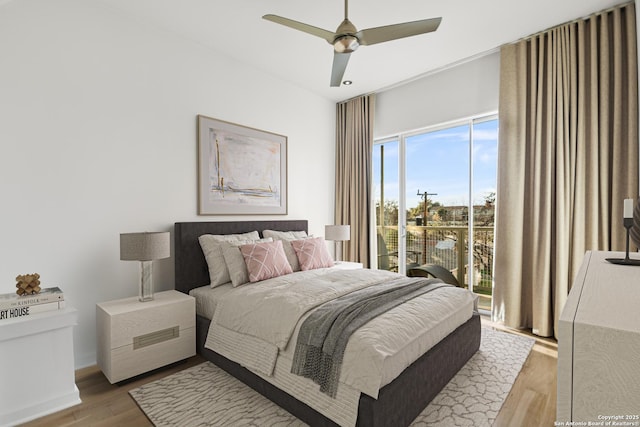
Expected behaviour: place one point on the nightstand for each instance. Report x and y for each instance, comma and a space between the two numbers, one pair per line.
136, 337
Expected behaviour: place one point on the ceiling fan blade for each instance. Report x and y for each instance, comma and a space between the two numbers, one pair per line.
309, 29
397, 31
340, 61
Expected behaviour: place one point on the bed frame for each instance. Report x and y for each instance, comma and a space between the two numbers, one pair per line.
398, 403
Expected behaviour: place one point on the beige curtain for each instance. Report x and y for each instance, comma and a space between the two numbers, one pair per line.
354, 147
568, 156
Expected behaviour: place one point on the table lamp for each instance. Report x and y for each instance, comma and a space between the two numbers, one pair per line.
337, 233
145, 247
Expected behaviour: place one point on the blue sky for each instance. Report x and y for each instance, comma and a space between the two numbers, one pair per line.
438, 162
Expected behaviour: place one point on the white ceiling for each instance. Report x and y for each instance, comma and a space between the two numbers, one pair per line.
469, 28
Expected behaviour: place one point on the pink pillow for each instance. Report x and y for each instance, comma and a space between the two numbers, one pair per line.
312, 253
265, 260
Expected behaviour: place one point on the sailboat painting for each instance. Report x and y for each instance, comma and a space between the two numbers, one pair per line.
241, 170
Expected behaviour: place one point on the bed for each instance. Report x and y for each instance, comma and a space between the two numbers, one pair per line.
398, 403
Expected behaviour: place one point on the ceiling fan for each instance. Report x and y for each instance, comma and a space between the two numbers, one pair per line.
347, 38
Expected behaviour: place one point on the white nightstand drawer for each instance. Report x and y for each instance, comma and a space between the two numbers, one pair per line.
125, 362
148, 317
135, 337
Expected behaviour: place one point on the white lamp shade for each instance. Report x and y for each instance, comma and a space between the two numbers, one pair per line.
144, 246
337, 232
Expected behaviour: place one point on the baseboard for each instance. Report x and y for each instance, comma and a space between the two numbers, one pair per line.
40, 409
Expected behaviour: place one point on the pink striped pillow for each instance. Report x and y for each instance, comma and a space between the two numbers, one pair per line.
312, 253
265, 260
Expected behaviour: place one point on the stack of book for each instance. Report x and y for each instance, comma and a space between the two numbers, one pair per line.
13, 306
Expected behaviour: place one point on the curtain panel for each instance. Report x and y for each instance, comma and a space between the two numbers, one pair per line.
354, 148
568, 156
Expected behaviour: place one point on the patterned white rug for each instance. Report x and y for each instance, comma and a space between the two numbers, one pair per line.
205, 395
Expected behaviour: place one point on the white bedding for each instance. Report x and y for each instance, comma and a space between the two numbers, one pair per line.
256, 325
207, 298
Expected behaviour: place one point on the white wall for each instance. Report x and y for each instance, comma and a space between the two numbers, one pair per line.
98, 137
457, 92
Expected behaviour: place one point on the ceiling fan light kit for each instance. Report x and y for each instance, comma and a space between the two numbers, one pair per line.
347, 38
345, 44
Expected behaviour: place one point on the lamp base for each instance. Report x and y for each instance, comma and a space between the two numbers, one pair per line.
628, 223
146, 281
624, 261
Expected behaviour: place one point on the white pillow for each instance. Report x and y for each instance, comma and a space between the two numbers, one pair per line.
287, 237
284, 235
210, 244
235, 261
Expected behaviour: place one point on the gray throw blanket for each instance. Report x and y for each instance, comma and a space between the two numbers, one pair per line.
325, 332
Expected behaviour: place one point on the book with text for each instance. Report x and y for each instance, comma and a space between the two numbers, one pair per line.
28, 310
46, 295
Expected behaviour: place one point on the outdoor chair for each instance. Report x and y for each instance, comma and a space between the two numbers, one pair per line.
433, 270
384, 257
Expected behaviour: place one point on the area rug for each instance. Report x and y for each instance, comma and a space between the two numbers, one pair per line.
205, 395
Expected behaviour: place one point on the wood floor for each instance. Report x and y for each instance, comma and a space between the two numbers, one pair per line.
532, 401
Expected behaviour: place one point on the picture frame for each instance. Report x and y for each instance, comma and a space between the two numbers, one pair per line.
241, 170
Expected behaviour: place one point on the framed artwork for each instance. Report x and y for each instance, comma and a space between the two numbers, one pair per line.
240, 170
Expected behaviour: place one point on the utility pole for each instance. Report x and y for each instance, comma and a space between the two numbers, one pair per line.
425, 196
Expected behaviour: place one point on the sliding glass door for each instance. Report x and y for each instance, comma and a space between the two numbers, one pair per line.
434, 199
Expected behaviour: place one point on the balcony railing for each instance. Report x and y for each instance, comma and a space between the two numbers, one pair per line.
447, 246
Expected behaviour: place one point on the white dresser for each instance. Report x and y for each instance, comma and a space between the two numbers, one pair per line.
599, 343
136, 337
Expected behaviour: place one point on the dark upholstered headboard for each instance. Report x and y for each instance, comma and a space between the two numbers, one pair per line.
191, 267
